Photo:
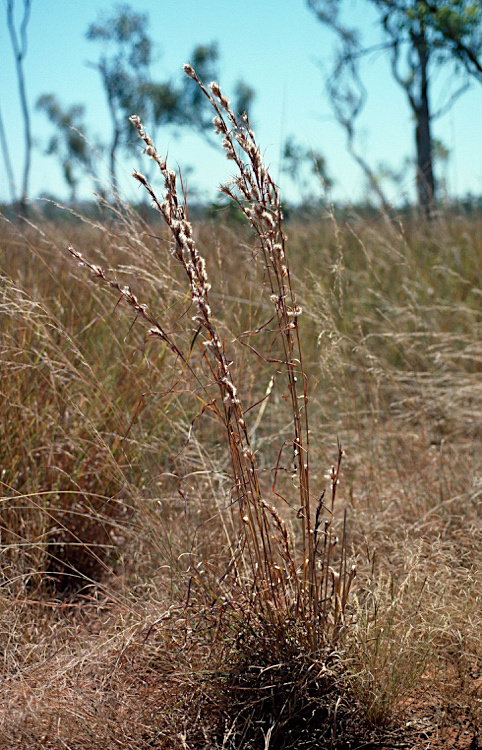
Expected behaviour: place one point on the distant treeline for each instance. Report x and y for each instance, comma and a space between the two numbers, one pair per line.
49, 209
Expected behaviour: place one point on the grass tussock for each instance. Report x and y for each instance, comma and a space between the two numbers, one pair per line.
180, 528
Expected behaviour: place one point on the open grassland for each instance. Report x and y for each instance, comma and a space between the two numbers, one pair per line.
116, 486
190, 559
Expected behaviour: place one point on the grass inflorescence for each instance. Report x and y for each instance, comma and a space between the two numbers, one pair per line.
179, 523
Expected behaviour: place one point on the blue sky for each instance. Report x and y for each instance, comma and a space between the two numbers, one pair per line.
278, 47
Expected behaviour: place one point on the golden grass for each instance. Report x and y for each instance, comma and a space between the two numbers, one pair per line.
124, 621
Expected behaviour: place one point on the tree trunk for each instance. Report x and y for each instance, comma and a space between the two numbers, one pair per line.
116, 131
20, 50
27, 136
8, 163
423, 135
370, 175
113, 154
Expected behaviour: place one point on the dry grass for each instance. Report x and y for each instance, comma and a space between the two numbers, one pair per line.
138, 605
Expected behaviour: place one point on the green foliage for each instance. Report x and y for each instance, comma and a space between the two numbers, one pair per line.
447, 25
68, 142
164, 102
124, 69
418, 34
127, 31
447, 19
304, 167
204, 59
244, 96
127, 52
193, 109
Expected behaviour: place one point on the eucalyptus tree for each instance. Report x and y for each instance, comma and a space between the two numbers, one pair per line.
7, 161
18, 38
418, 36
68, 142
304, 167
123, 65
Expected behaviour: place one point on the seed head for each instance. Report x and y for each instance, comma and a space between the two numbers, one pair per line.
189, 71
215, 88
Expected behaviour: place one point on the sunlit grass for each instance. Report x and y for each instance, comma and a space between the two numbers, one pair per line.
116, 528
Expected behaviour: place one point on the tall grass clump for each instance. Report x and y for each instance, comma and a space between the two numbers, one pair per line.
275, 599
170, 572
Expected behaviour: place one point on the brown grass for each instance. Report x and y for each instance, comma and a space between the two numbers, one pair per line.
138, 607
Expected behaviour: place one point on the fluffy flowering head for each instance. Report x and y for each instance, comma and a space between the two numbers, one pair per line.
219, 126
215, 89
189, 71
